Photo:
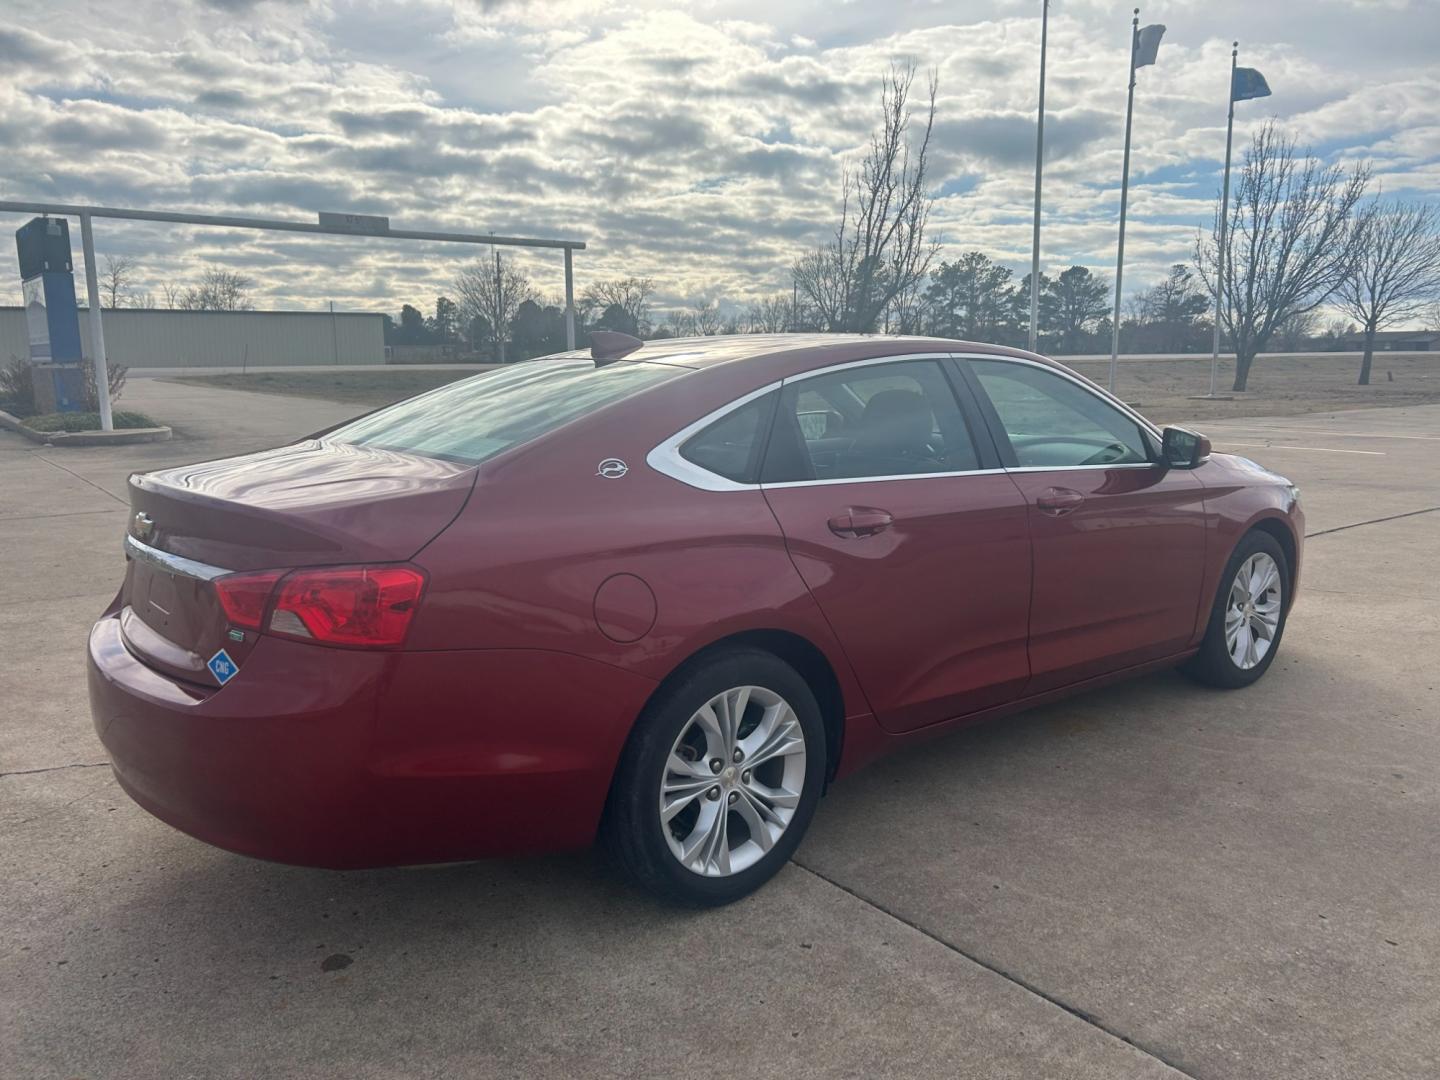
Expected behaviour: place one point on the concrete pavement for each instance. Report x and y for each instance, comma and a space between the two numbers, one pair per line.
1154, 880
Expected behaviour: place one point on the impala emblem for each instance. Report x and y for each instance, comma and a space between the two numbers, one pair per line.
612, 468
143, 526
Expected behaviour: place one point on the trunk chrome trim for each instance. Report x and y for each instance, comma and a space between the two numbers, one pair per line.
173, 564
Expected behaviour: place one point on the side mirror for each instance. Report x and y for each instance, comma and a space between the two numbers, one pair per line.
1182, 448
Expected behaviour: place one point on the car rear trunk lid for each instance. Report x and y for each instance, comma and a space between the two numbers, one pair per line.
315, 503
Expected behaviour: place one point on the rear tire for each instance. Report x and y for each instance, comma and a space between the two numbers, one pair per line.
1248, 616
719, 779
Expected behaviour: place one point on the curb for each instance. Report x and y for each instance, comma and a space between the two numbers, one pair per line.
124, 437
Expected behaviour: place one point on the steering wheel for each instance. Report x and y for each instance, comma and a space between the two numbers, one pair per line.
1114, 450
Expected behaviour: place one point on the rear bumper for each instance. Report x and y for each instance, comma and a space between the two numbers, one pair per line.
340, 758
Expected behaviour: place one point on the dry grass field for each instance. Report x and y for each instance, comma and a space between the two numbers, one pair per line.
1165, 389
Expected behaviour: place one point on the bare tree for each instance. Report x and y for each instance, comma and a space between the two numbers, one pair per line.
174, 294
704, 318
632, 294
219, 290
1296, 331
115, 282
772, 315
879, 250
1290, 241
1396, 272
493, 291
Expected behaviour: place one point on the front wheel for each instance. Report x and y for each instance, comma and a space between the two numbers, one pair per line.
719, 780
1248, 617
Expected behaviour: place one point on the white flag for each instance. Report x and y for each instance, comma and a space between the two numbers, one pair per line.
1147, 43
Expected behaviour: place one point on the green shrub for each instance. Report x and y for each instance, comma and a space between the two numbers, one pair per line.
87, 421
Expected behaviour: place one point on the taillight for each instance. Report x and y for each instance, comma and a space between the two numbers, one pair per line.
360, 606
243, 596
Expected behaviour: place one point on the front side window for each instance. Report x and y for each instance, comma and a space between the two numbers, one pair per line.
1052, 422
895, 419
477, 418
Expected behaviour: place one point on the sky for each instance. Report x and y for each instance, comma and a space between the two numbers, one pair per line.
698, 144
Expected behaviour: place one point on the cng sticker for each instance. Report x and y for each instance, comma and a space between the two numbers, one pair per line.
222, 667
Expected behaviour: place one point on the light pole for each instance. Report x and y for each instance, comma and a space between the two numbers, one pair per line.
1224, 224
1039, 168
1144, 44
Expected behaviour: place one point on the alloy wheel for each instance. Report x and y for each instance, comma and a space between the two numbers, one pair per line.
1252, 613
732, 781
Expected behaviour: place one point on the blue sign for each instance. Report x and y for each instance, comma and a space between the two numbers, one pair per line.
222, 667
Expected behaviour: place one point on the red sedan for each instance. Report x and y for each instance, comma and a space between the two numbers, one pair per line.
663, 594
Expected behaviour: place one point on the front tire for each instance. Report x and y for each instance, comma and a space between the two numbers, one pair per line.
1248, 616
719, 780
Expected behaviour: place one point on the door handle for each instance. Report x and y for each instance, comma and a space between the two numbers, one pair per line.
859, 521
1056, 501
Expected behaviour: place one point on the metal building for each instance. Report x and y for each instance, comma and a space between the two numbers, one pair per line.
158, 338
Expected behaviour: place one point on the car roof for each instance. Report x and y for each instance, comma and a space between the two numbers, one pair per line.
786, 354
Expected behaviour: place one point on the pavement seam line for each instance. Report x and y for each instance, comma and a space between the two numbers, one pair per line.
56, 768
1374, 521
1010, 977
83, 480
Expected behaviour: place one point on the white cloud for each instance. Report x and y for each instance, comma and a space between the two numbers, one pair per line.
698, 145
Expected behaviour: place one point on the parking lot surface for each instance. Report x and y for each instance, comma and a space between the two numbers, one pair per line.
1152, 880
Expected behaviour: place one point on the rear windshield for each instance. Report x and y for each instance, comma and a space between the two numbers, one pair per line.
474, 419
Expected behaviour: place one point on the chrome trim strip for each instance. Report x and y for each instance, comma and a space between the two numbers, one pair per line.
883, 479
1074, 468
173, 564
868, 362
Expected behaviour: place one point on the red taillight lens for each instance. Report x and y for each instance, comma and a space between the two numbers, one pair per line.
361, 606
243, 596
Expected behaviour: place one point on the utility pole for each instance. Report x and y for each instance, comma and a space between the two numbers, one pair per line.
97, 327
1224, 224
499, 313
1039, 168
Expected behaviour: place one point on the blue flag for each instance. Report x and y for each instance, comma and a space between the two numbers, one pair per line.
1247, 83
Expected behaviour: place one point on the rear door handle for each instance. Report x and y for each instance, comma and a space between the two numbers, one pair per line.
859, 521
1056, 501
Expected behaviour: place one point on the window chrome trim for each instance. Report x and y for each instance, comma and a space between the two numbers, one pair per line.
882, 479
667, 460
172, 564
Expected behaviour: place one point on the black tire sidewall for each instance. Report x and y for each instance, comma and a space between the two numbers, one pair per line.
633, 827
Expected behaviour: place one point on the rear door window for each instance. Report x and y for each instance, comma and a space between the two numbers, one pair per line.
477, 418
894, 419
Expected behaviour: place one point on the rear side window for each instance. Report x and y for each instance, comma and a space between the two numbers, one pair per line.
477, 418
731, 446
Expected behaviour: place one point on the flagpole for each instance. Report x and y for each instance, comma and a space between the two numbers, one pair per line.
1039, 166
1124, 197
1224, 223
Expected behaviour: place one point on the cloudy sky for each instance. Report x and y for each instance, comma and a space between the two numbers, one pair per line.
700, 144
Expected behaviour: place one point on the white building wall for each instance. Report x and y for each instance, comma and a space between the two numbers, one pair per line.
145, 338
